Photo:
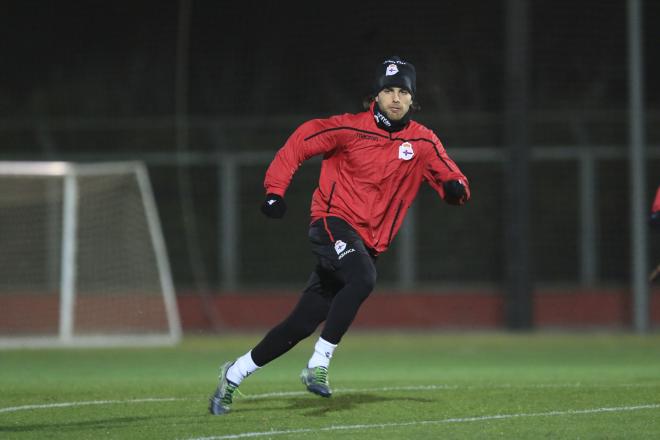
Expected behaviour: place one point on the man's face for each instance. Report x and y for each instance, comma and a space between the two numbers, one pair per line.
395, 102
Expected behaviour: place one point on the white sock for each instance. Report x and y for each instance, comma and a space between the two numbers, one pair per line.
322, 354
242, 368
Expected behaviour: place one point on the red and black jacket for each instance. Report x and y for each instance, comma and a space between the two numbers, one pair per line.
369, 176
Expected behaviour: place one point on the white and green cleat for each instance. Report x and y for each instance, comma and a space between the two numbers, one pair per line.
316, 381
220, 402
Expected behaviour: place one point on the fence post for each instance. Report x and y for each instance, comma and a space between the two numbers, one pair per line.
588, 219
407, 252
638, 210
228, 218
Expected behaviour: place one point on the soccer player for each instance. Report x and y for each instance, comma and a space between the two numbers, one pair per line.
373, 165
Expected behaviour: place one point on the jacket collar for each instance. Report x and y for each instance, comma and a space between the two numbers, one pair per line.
383, 122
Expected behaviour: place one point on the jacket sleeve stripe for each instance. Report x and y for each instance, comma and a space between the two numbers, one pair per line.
435, 148
342, 128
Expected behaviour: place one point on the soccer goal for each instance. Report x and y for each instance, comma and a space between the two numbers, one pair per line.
82, 257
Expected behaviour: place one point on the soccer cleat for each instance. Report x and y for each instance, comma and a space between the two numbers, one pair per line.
316, 381
220, 402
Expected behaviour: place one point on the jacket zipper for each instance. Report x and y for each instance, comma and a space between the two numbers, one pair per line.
396, 217
332, 191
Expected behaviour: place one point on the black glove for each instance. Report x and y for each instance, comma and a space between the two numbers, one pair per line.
655, 220
273, 206
455, 193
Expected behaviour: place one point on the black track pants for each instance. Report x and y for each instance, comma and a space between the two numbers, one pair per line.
344, 277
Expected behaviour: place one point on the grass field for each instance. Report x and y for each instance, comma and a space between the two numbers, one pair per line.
387, 386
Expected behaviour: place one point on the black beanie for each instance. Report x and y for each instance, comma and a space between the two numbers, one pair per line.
394, 72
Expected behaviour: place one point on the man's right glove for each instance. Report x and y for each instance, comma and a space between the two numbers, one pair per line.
273, 206
455, 192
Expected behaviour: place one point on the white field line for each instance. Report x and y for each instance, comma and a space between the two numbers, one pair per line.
571, 412
353, 391
83, 403
449, 387
305, 393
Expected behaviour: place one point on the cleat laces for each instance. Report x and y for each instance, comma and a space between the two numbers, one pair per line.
321, 375
228, 395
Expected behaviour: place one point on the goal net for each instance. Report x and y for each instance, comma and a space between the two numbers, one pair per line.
82, 257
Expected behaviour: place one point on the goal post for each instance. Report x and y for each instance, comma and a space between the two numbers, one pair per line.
83, 261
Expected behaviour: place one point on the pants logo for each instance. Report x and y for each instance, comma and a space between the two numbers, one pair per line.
345, 253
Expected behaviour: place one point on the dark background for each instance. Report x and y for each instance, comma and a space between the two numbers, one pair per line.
97, 81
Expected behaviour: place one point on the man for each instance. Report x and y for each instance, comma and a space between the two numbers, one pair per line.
373, 165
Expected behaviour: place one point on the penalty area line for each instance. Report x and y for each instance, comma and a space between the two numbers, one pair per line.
571, 412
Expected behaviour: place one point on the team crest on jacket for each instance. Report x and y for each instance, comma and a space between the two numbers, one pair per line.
406, 151
339, 246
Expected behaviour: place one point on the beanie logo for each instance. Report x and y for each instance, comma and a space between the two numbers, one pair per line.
391, 70
406, 151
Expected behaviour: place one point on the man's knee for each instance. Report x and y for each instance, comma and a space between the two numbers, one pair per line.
361, 275
366, 281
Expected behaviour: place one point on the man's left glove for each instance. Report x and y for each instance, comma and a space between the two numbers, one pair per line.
273, 206
455, 192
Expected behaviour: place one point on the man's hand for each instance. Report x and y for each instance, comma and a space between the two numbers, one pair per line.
273, 206
455, 192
